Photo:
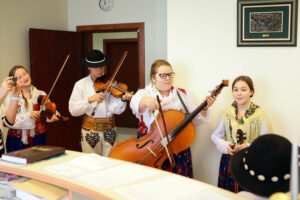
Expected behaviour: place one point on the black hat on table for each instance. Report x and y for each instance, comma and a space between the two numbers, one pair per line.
95, 58
264, 167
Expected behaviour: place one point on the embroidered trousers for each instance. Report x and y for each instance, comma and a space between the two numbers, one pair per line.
97, 141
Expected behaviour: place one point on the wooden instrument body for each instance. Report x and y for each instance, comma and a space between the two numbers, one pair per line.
137, 150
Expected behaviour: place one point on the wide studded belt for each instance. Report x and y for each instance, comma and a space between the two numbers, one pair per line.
98, 124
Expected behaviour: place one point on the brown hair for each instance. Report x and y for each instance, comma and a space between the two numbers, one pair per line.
12, 72
247, 80
156, 64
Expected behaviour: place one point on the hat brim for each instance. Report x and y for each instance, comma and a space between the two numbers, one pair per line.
106, 61
251, 183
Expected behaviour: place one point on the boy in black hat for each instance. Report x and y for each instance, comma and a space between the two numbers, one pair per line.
263, 168
98, 133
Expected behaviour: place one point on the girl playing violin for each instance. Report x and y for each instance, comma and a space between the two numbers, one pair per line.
144, 103
28, 129
8, 116
98, 133
237, 127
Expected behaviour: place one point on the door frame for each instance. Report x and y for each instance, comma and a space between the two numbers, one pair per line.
139, 27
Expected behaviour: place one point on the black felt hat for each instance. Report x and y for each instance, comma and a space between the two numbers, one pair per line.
95, 58
264, 167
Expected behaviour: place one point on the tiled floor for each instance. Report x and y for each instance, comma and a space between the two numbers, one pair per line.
124, 133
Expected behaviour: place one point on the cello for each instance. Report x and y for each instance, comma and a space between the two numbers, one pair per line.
149, 150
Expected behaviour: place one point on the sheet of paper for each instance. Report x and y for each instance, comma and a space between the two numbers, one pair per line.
82, 165
208, 195
167, 187
118, 175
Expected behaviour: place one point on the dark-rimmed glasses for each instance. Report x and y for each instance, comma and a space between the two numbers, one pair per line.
164, 75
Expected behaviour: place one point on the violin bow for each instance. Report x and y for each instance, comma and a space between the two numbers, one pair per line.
113, 77
62, 67
170, 156
162, 138
172, 160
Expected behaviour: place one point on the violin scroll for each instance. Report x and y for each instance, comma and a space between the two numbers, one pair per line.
219, 88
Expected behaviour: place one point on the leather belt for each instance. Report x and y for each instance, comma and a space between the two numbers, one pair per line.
98, 124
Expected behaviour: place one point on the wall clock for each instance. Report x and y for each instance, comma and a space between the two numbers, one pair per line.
106, 5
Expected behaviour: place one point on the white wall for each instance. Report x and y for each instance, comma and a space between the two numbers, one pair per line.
16, 17
202, 48
152, 13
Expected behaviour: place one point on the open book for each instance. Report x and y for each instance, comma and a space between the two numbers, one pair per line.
32, 154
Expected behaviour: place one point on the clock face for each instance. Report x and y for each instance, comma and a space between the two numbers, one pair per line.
106, 5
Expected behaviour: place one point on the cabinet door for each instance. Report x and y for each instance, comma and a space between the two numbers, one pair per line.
48, 50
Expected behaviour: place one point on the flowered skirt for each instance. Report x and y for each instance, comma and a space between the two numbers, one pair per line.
225, 179
183, 164
14, 138
1, 143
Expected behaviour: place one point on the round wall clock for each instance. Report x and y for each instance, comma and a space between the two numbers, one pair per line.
106, 5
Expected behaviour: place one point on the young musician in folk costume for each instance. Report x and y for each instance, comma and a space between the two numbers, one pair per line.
8, 115
98, 133
28, 129
238, 125
144, 103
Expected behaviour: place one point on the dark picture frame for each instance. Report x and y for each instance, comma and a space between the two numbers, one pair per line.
267, 23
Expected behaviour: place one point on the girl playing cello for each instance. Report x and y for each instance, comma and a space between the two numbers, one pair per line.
144, 102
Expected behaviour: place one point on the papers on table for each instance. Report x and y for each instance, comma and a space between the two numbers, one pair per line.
101, 172
133, 181
168, 187
82, 165
119, 175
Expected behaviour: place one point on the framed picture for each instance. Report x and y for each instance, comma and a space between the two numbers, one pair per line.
267, 23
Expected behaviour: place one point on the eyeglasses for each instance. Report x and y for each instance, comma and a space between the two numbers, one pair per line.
164, 75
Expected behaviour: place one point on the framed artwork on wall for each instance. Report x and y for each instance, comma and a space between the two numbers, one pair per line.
267, 23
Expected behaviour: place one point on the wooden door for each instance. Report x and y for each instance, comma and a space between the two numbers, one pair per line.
48, 50
128, 73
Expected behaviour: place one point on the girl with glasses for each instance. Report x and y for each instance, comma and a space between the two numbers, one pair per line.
145, 106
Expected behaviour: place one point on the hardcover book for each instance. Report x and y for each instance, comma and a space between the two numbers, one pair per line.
32, 154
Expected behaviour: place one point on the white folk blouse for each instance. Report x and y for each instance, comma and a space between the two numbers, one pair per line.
170, 102
79, 105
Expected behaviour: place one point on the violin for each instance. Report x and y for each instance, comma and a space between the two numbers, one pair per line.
50, 108
149, 150
240, 136
116, 89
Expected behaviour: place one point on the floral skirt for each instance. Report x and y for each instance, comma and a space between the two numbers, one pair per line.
1, 143
183, 164
225, 179
14, 140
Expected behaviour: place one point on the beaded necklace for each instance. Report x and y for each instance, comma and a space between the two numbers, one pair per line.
247, 114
